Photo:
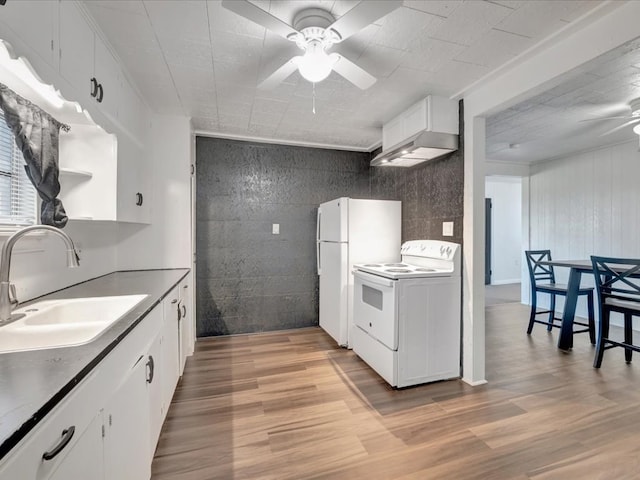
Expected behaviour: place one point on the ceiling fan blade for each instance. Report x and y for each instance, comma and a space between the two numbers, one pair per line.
251, 12
363, 14
604, 118
352, 72
620, 127
280, 75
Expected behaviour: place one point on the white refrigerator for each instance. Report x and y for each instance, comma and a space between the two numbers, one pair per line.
351, 231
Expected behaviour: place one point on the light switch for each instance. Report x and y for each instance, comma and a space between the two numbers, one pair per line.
275, 229
447, 229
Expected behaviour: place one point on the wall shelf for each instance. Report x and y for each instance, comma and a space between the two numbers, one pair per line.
74, 172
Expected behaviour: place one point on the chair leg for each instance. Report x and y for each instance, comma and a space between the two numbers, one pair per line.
552, 312
603, 331
592, 322
628, 337
532, 315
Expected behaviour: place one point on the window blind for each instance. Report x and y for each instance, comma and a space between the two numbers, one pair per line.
17, 194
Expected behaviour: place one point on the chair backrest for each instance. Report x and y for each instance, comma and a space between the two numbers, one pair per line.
539, 273
617, 278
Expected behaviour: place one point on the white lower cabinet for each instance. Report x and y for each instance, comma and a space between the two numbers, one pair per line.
126, 427
85, 458
170, 346
107, 428
187, 327
156, 406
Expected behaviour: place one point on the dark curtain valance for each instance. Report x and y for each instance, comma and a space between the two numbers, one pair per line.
36, 133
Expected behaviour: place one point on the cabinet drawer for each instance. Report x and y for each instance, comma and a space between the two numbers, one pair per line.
77, 411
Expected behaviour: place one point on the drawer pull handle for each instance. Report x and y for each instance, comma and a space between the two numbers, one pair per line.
94, 87
184, 311
99, 93
151, 367
67, 435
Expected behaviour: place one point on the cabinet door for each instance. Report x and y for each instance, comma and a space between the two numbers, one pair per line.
85, 459
392, 133
187, 327
133, 195
35, 24
76, 49
132, 113
126, 422
154, 392
170, 347
107, 74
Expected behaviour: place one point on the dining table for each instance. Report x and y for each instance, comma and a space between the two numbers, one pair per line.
576, 269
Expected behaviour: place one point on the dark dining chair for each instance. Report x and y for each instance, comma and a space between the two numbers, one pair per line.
618, 292
543, 280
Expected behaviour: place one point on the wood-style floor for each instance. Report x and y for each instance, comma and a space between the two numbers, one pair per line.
291, 405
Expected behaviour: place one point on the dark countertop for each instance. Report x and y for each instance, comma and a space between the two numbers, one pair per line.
33, 382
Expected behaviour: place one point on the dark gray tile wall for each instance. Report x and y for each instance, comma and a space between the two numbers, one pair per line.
249, 280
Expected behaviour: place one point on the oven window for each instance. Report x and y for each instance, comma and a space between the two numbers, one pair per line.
372, 297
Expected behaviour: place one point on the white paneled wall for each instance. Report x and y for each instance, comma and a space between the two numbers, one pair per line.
587, 204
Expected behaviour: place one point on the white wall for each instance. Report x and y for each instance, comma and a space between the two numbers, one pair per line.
39, 264
506, 232
166, 243
587, 204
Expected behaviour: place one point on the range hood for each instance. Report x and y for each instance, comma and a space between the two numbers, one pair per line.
421, 147
426, 130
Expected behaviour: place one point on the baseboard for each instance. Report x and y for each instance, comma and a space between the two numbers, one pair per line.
474, 383
506, 282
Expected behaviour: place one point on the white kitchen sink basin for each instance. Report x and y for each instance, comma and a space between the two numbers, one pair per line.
63, 323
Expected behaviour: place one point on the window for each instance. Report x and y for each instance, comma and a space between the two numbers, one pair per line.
17, 194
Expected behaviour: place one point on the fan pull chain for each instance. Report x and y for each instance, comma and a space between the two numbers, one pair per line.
313, 101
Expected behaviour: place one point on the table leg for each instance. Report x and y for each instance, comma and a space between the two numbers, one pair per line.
565, 342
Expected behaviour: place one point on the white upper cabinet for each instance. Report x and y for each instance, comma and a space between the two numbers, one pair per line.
433, 113
32, 23
88, 64
134, 199
108, 78
76, 50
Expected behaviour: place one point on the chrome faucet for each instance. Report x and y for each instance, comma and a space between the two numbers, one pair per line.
8, 299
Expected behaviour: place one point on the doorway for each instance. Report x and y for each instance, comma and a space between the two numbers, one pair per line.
503, 270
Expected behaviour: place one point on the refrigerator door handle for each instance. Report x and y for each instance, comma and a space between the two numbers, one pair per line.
318, 263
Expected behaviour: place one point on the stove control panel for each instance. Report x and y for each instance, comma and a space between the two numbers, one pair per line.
429, 249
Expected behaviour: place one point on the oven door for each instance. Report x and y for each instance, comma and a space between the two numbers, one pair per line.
375, 307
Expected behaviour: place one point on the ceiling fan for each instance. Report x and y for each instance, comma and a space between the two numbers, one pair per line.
633, 118
315, 31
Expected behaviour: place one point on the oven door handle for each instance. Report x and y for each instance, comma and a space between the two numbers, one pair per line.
368, 277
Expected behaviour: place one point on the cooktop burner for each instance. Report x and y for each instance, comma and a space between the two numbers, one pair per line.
396, 265
372, 265
424, 270
397, 270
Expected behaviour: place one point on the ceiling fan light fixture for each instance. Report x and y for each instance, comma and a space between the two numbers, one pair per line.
315, 65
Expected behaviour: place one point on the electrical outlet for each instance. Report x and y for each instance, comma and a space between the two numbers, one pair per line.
275, 229
447, 229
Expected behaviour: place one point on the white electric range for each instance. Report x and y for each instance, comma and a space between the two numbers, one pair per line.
407, 314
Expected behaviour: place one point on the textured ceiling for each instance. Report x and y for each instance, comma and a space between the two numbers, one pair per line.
198, 59
567, 118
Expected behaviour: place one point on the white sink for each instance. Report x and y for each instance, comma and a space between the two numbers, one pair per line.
63, 323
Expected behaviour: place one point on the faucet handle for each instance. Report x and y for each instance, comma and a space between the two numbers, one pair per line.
13, 298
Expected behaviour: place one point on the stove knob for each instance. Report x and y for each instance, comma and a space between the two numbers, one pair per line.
422, 247
448, 251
